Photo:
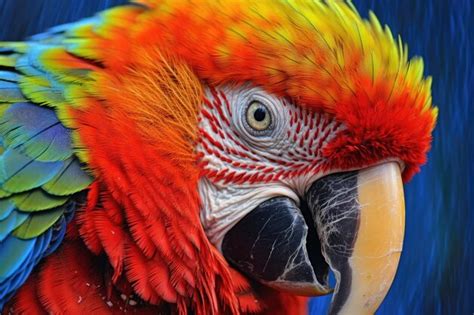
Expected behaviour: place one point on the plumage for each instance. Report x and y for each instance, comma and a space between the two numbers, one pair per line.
36, 200
25, 255
10, 223
100, 131
6, 207
20, 173
35, 225
38, 173
35, 132
4, 193
70, 179
11, 91
9, 76
19, 251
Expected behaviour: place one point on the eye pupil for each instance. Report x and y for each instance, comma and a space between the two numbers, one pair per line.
259, 114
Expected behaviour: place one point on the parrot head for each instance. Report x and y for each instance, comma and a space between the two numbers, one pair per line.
245, 145
293, 122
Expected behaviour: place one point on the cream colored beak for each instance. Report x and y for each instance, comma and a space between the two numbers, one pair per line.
361, 226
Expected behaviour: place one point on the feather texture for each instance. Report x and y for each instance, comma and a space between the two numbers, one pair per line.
36, 132
6, 207
70, 179
142, 212
21, 173
19, 251
36, 225
10, 223
36, 200
39, 175
11, 92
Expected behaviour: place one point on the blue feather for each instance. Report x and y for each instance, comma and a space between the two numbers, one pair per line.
10, 223
36, 132
36, 151
58, 233
9, 284
9, 76
37, 253
32, 60
6, 208
18, 250
24, 65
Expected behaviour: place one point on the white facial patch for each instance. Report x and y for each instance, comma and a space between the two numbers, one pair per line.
225, 205
244, 164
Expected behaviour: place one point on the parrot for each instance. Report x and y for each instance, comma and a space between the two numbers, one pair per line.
207, 157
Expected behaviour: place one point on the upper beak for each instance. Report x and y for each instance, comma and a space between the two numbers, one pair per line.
352, 222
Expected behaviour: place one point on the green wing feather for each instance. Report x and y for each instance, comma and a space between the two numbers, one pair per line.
41, 176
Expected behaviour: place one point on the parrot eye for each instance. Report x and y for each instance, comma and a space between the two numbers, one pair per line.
258, 116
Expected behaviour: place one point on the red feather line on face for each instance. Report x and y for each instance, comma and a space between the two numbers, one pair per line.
220, 142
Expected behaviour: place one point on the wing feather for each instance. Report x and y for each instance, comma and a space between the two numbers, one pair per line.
41, 176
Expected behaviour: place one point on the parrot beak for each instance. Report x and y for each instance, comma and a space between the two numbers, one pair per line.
350, 222
360, 219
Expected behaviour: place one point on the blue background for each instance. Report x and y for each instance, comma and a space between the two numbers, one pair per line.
436, 272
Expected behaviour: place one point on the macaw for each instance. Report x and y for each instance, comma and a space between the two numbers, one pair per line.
207, 158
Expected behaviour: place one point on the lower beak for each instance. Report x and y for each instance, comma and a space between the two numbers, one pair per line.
352, 222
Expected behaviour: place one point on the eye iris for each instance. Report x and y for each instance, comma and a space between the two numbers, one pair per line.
258, 117
259, 114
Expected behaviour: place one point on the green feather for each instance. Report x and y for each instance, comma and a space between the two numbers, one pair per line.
38, 223
4, 107
42, 91
8, 61
4, 193
37, 200
19, 173
10, 92
69, 180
